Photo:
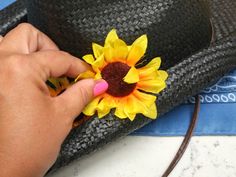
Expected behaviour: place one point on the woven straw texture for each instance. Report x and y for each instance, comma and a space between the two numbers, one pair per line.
178, 30
167, 23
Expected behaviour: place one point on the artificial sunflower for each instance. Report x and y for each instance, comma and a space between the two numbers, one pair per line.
130, 88
57, 85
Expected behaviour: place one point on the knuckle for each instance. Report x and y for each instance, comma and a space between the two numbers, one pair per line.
59, 55
25, 27
64, 53
55, 54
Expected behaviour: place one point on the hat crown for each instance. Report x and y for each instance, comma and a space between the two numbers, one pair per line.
175, 28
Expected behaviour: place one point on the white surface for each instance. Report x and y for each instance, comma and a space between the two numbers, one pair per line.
136, 156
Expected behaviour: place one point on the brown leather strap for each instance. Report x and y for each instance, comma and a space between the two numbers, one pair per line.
186, 140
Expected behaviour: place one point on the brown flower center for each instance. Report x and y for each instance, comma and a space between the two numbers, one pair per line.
114, 73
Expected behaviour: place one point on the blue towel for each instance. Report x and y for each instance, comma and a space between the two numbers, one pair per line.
4, 3
217, 113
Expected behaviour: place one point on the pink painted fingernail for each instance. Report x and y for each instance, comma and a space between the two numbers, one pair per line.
100, 88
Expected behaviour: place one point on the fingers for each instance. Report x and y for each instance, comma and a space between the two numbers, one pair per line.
57, 64
75, 98
25, 39
1, 38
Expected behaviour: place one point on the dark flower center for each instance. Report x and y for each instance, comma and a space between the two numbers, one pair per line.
114, 73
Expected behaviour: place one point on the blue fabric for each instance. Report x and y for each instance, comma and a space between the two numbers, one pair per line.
5, 3
217, 113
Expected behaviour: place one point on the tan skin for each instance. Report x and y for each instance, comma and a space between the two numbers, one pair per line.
33, 124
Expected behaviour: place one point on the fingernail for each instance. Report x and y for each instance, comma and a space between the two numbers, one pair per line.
100, 88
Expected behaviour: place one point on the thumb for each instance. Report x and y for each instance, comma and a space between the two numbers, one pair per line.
76, 97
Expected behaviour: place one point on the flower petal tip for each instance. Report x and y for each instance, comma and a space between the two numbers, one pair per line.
132, 76
111, 37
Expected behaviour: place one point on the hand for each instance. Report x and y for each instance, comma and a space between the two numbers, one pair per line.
33, 124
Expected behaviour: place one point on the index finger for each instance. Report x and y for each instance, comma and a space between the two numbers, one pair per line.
25, 39
57, 64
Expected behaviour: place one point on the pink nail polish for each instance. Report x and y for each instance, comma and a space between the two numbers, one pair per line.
100, 87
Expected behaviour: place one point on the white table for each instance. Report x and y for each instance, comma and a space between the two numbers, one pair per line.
141, 156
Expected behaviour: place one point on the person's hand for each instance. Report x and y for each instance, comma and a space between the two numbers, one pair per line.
33, 124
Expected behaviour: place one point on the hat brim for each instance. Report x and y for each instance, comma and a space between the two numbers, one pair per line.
186, 79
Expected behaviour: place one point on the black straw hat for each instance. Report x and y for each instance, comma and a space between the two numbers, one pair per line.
196, 41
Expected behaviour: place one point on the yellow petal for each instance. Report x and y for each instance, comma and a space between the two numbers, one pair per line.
154, 63
141, 41
97, 50
150, 70
151, 74
132, 76
89, 58
108, 53
129, 47
59, 82
99, 63
131, 116
64, 81
152, 112
134, 55
147, 73
104, 106
52, 92
106, 103
102, 113
90, 109
98, 76
145, 98
134, 106
162, 74
57, 85
85, 75
137, 50
111, 37
154, 86
119, 112
120, 50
